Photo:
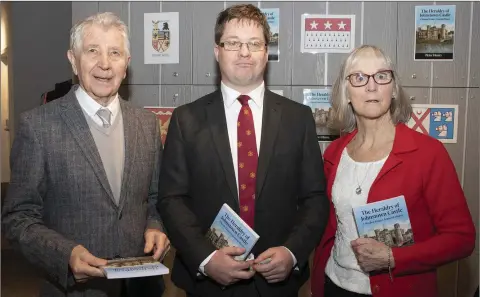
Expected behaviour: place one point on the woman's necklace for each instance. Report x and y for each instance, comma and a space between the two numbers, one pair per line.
359, 189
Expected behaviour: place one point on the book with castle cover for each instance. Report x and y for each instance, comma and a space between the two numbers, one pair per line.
228, 229
133, 267
386, 221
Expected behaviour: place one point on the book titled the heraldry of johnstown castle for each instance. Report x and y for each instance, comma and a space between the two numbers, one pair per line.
134, 267
386, 221
228, 229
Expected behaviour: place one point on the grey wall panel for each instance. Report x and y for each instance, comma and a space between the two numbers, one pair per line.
447, 276
417, 95
180, 73
175, 95
475, 52
307, 68
231, 3
81, 10
287, 90
280, 73
454, 74
204, 63
200, 91
142, 95
468, 268
323, 146
453, 96
468, 271
119, 8
380, 26
471, 172
413, 73
140, 73
335, 60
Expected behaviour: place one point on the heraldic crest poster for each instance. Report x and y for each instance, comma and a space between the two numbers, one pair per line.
161, 41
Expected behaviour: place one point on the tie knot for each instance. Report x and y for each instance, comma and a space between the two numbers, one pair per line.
105, 115
243, 99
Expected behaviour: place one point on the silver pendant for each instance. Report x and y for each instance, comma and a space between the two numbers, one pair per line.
358, 190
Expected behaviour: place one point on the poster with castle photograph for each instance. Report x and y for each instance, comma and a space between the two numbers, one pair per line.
161, 38
273, 19
319, 101
434, 32
386, 221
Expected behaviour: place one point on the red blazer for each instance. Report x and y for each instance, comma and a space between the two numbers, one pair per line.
419, 168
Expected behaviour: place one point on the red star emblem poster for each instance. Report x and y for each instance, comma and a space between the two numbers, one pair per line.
327, 33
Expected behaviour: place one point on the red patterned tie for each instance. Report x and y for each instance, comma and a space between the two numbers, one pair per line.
247, 161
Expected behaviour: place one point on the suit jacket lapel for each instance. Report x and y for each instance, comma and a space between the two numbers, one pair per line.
130, 128
272, 112
218, 127
73, 116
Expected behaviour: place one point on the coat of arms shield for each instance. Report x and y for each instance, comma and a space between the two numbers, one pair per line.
160, 38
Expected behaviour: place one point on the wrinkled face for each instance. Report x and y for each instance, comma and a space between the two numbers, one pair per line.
242, 68
101, 62
372, 100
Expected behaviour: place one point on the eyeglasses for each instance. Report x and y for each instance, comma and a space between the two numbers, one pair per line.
253, 46
359, 79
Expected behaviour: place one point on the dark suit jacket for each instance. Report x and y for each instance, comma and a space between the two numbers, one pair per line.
59, 195
197, 177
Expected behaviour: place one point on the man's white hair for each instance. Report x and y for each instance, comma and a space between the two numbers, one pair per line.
105, 19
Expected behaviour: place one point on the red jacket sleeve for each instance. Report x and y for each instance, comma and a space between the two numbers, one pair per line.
454, 236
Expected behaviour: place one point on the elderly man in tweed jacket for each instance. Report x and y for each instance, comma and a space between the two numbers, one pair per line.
85, 175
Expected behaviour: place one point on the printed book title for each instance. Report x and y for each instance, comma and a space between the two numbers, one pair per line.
391, 211
386, 221
435, 13
229, 223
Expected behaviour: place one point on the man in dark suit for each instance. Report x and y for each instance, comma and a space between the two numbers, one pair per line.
85, 175
254, 150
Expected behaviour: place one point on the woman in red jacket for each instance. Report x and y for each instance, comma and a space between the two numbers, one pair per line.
379, 158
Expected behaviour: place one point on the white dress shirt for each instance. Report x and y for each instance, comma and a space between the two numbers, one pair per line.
90, 106
232, 110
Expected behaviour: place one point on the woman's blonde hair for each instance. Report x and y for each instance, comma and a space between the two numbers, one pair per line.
343, 116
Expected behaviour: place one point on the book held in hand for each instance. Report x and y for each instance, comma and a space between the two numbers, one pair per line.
228, 229
386, 221
133, 267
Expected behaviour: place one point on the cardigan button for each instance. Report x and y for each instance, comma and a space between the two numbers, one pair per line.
376, 289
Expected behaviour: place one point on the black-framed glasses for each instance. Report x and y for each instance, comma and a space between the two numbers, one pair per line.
360, 79
253, 46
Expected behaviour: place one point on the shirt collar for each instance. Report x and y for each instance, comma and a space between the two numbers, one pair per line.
90, 106
230, 95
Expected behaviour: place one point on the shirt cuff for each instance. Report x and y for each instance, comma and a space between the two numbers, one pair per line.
205, 262
293, 257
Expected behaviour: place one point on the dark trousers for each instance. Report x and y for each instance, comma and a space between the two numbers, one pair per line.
244, 291
152, 286
247, 290
332, 290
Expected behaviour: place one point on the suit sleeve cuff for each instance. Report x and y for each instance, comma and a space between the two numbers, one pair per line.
205, 262
293, 257
155, 224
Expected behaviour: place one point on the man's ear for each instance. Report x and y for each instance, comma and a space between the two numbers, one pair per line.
72, 59
126, 66
215, 51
